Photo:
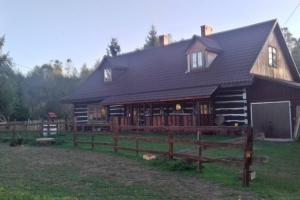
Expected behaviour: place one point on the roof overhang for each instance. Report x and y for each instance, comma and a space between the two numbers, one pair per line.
292, 84
162, 96
81, 100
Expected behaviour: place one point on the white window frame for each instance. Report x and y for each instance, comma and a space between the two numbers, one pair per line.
200, 58
272, 56
107, 75
196, 60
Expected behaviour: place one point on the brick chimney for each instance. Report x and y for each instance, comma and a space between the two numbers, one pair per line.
164, 40
206, 30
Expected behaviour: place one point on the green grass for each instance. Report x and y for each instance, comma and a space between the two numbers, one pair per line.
278, 178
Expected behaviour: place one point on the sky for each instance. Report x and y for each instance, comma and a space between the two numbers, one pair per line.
37, 31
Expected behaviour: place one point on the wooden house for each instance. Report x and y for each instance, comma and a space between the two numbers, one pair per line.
245, 76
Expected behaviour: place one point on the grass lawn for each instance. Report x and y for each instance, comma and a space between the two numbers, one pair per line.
277, 178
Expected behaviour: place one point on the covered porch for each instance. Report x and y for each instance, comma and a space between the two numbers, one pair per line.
178, 107
196, 112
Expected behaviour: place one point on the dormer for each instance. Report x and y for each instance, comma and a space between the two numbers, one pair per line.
113, 69
201, 53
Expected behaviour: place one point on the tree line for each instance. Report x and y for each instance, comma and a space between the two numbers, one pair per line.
33, 95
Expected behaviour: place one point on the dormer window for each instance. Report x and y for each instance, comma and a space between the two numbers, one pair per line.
272, 56
107, 75
197, 60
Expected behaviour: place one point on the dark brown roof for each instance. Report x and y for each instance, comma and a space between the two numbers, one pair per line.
164, 68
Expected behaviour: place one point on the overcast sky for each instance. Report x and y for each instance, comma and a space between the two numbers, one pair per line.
40, 30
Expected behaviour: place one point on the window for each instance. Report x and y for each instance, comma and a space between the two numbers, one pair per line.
197, 60
107, 75
204, 109
272, 56
97, 112
194, 60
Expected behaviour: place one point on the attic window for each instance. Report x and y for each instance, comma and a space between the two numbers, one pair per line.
107, 75
272, 56
195, 60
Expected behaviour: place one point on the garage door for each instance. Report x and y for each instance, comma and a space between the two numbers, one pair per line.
272, 118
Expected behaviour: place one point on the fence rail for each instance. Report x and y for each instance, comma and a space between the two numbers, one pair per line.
136, 136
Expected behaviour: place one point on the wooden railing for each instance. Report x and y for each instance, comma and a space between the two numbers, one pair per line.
137, 132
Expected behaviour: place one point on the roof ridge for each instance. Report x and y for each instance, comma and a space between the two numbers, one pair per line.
191, 38
243, 27
152, 48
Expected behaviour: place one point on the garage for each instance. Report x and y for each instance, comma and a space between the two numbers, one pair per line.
273, 119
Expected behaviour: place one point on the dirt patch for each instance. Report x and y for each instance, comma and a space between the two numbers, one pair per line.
117, 169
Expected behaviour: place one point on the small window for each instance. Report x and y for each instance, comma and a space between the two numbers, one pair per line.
197, 60
97, 112
107, 75
272, 56
194, 60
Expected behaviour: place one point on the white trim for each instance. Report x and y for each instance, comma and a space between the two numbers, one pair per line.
111, 109
268, 102
78, 112
237, 108
80, 108
116, 113
230, 95
234, 101
244, 94
244, 114
82, 121
236, 120
112, 106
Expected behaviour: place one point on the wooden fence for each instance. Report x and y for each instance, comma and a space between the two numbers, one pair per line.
136, 136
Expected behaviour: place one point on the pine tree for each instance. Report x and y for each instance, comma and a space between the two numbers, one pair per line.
113, 48
152, 38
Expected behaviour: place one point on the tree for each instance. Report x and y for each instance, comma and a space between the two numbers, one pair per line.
151, 39
290, 40
293, 45
296, 53
7, 84
57, 68
84, 72
113, 48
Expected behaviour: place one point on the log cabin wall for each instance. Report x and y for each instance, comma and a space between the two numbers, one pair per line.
232, 104
81, 113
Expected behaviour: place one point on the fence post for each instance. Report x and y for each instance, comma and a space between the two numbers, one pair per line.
137, 142
42, 128
171, 143
75, 134
199, 141
116, 138
93, 140
248, 153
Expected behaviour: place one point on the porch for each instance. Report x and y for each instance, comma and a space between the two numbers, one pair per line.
174, 113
